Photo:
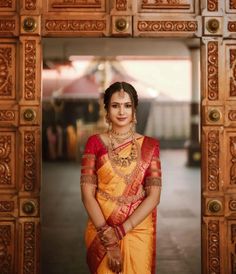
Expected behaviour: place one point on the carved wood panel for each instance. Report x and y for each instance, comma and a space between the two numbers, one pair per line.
213, 259
156, 26
29, 236
212, 161
31, 70
7, 247
7, 70
7, 5
177, 6
7, 160
76, 5
230, 69
84, 26
232, 246
29, 167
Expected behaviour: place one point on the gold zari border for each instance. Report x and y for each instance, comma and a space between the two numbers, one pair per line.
88, 179
121, 200
152, 181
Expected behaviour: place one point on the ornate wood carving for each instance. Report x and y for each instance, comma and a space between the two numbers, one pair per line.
30, 69
30, 4
30, 169
232, 53
232, 4
29, 247
212, 69
167, 26
75, 25
7, 115
233, 257
165, 4
214, 246
7, 25
6, 206
233, 160
212, 5
6, 81
232, 115
5, 151
5, 3
5, 243
232, 26
76, 4
213, 160
121, 5
232, 205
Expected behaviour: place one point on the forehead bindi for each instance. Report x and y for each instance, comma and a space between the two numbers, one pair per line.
120, 97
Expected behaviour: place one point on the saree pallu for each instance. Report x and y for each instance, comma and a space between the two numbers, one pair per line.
138, 247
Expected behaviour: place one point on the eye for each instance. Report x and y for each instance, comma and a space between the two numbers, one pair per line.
128, 105
114, 105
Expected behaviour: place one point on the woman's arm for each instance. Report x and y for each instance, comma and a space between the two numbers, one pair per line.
144, 209
92, 207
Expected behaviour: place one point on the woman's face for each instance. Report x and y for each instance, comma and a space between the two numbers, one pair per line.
120, 109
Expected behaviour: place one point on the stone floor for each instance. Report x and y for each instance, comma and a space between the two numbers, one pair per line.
178, 235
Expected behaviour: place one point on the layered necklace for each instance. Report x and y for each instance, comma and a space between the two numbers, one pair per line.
118, 161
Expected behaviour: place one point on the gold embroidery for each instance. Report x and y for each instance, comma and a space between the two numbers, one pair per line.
121, 199
152, 181
88, 179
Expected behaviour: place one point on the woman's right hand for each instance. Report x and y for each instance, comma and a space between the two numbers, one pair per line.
115, 261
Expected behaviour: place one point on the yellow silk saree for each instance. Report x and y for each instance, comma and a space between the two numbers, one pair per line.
118, 197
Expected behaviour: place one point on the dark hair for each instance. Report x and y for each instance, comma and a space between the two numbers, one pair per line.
117, 86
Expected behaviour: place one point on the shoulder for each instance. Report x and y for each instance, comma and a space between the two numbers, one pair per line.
151, 140
92, 138
91, 144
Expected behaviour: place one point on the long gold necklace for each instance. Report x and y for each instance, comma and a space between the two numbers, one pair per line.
116, 160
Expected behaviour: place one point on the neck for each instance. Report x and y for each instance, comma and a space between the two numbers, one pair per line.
121, 130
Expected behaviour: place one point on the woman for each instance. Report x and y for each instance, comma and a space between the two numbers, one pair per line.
121, 186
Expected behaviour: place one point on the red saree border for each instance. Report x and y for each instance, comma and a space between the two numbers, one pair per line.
96, 251
121, 213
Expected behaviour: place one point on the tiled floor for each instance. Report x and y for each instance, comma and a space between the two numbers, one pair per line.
63, 218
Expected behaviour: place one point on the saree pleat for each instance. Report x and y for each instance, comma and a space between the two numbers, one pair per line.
138, 247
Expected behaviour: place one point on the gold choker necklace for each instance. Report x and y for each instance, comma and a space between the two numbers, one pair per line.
118, 134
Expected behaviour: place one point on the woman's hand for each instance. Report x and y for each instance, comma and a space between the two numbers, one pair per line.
114, 259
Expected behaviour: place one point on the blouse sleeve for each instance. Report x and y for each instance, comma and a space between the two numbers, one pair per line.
88, 163
153, 173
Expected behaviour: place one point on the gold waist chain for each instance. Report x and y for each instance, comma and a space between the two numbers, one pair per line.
122, 199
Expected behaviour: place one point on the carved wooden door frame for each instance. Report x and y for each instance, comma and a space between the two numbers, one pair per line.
22, 25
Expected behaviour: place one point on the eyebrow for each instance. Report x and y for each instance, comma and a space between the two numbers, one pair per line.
129, 102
